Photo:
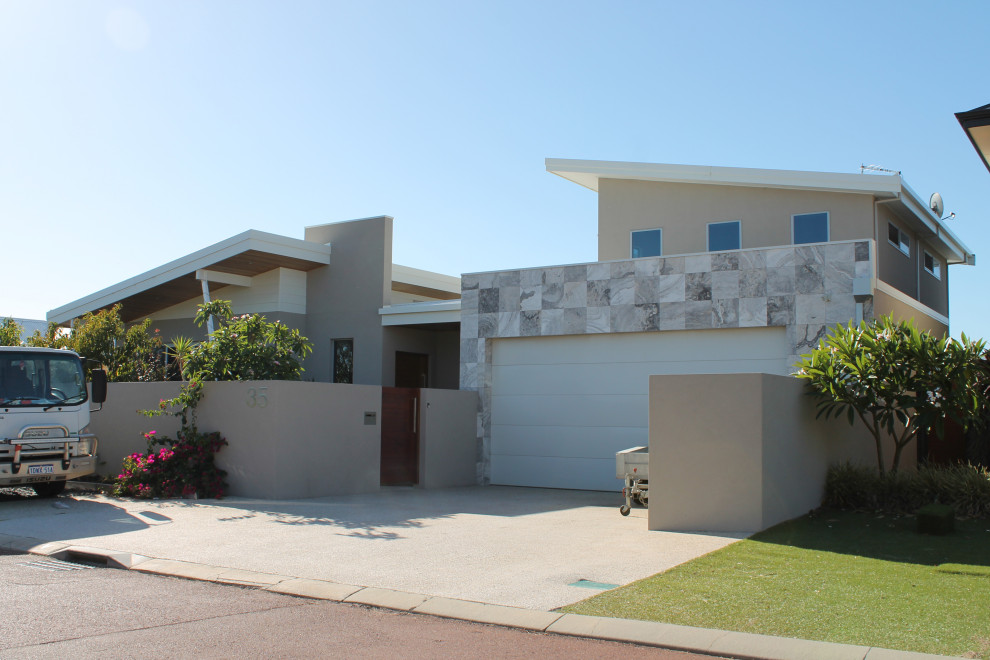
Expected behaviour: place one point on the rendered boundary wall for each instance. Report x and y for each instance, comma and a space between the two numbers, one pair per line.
291, 439
742, 452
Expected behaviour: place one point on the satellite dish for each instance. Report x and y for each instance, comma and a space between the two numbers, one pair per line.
938, 208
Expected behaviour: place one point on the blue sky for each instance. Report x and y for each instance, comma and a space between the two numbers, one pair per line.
136, 132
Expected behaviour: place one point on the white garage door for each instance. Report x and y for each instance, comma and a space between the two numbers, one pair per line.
562, 406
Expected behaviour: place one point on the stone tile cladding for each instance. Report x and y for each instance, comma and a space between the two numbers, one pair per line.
805, 288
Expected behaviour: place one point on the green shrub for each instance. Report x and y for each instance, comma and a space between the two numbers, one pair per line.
966, 488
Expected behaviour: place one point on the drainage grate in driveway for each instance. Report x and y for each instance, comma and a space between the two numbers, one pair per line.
56, 565
588, 584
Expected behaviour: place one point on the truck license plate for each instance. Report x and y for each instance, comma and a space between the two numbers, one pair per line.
41, 469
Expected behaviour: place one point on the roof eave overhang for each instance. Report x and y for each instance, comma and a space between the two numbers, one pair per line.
889, 187
588, 173
294, 249
976, 124
955, 251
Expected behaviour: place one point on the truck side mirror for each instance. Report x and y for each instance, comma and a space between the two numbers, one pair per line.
99, 381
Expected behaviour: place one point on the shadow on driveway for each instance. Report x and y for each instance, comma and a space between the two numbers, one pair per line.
375, 516
22, 513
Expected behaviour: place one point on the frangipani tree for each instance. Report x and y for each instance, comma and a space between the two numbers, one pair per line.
895, 379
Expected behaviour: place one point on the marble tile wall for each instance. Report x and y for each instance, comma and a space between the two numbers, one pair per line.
804, 288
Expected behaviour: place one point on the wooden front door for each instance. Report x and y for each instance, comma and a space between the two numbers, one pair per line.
412, 369
400, 436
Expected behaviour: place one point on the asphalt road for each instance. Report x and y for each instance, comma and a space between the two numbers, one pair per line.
57, 610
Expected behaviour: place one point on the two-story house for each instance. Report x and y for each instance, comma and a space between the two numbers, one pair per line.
700, 270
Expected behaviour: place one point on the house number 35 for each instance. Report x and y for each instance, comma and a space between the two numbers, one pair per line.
257, 397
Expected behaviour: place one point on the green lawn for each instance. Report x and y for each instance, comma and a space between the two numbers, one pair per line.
835, 576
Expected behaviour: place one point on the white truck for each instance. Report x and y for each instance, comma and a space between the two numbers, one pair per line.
44, 418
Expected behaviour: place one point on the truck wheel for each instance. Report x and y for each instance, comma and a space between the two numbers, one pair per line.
49, 488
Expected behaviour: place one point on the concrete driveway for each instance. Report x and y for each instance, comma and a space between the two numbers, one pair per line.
522, 547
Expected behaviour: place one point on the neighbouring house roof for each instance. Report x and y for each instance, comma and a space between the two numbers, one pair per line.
976, 123
245, 255
885, 187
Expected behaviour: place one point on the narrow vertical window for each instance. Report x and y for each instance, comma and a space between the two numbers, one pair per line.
724, 236
809, 228
646, 243
343, 360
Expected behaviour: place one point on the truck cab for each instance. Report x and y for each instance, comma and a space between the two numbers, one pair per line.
44, 418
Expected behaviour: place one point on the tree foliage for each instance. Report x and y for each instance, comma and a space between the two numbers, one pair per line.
245, 347
897, 380
134, 353
10, 332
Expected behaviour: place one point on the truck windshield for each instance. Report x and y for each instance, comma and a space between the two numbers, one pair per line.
40, 379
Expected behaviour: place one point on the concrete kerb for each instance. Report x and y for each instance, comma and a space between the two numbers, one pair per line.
745, 646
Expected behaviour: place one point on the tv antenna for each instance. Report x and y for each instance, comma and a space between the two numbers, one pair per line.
876, 168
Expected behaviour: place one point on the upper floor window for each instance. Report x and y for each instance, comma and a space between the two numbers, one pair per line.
724, 236
933, 266
899, 239
647, 243
809, 228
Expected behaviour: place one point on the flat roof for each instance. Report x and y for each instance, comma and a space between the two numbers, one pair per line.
247, 254
891, 187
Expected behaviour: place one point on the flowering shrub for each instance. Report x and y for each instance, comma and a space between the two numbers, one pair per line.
895, 379
172, 468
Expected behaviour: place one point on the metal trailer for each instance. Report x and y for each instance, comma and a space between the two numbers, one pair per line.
633, 466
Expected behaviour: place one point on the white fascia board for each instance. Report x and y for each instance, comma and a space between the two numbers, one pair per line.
446, 311
251, 239
425, 278
588, 172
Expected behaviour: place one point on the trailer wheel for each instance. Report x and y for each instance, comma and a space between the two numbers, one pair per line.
624, 509
49, 488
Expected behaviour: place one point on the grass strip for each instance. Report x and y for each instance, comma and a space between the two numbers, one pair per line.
844, 577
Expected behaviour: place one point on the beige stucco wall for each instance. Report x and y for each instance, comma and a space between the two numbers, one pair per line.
120, 428
683, 211
448, 438
742, 452
887, 305
306, 440
343, 299
296, 439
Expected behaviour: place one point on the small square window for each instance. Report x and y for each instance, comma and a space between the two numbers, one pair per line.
343, 360
647, 243
810, 228
933, 266
724, 236
898, 238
